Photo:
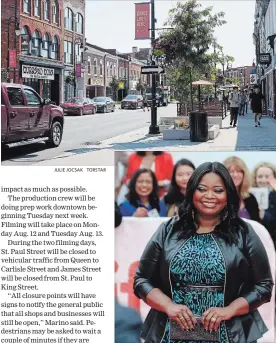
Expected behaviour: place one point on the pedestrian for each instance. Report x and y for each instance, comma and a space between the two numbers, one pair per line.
257, 100
242, 103
246, 101
145, 102
234, 99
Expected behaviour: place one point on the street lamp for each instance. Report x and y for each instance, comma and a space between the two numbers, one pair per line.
17, 32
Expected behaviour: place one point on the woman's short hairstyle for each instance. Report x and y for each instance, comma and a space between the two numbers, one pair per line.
155, 153
133, 197
262, 164
174, 194
239, 164
230, 222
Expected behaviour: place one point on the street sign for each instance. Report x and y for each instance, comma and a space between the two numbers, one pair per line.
265, 58
253, 79
152, 70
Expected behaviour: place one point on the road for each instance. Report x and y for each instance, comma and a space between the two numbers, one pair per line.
80, 132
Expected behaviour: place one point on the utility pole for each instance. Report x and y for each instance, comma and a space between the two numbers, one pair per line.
154, 128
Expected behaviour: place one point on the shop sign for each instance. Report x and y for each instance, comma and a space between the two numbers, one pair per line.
12, 58
78, 70
121, 85
265, 58
253, 79
36, 72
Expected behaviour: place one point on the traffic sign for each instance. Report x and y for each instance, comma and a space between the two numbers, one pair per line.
152, 70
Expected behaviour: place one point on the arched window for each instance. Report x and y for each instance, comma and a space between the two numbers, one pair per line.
89, 65
55, 12
36, 43
68, 19
25, 41
55, 48
79, 23
47, 10
46, 43
95, 67
101, 68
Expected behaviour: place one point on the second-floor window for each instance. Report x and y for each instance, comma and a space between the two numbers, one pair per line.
25, 41
46, 46
47, 10
27, 6
107, 69
101, 68
55, 48
37, 8
95, 67
68, 19
68, 52
55, 12
78, 54
36, 44
79, 23
88, 65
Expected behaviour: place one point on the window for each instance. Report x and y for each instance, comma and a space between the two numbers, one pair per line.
32, 98
79, 23
46, 46
27, 6
37, 8
15, 96
78, 54
36, 40
25, 41
101, 68
68, 19
107, 68
95, 67
55, 48
55, 12
68, 52
88, 65
47, 10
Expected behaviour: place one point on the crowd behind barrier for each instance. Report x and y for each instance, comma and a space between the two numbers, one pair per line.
131, 238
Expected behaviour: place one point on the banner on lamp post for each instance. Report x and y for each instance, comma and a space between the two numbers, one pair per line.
142, 20
12, 58
78, 70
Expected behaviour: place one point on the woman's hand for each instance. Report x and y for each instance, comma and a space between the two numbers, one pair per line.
212, 318
182, 315
140, 212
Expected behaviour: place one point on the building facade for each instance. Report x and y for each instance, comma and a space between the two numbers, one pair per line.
264, 38
74, 48
39, 53
239, 73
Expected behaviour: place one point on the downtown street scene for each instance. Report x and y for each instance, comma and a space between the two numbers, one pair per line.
82, 77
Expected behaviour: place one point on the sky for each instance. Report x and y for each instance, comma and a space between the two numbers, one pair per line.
112, 25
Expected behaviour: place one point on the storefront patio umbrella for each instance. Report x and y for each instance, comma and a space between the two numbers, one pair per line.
201, 83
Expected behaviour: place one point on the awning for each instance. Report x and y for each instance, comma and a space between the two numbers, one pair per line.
40, 62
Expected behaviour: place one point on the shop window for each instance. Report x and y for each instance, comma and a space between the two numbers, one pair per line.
55, 48
55, 12
36, 44
25, 41
46, 43
27, 6
88, 65
32, 98
37, 8
95, 67
47, 10
15, 96
79, 23
68, 19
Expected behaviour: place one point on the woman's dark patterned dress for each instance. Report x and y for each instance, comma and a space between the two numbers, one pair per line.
199, 262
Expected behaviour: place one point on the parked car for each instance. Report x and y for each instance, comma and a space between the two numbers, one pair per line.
25, 116
132, 101
104, 104
79, 106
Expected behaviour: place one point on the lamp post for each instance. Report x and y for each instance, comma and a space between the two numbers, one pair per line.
77, 41
17, 32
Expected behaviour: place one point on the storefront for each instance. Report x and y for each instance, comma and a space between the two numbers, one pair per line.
44, 77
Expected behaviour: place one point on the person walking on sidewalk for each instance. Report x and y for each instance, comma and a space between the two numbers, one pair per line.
242, 103
257, 100
246, 101
234, 99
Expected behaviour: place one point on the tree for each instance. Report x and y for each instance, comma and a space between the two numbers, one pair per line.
186, 46
140, 86
114, 84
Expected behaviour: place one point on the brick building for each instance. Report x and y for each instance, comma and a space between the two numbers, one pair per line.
101, 67
74, 48
39, 49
